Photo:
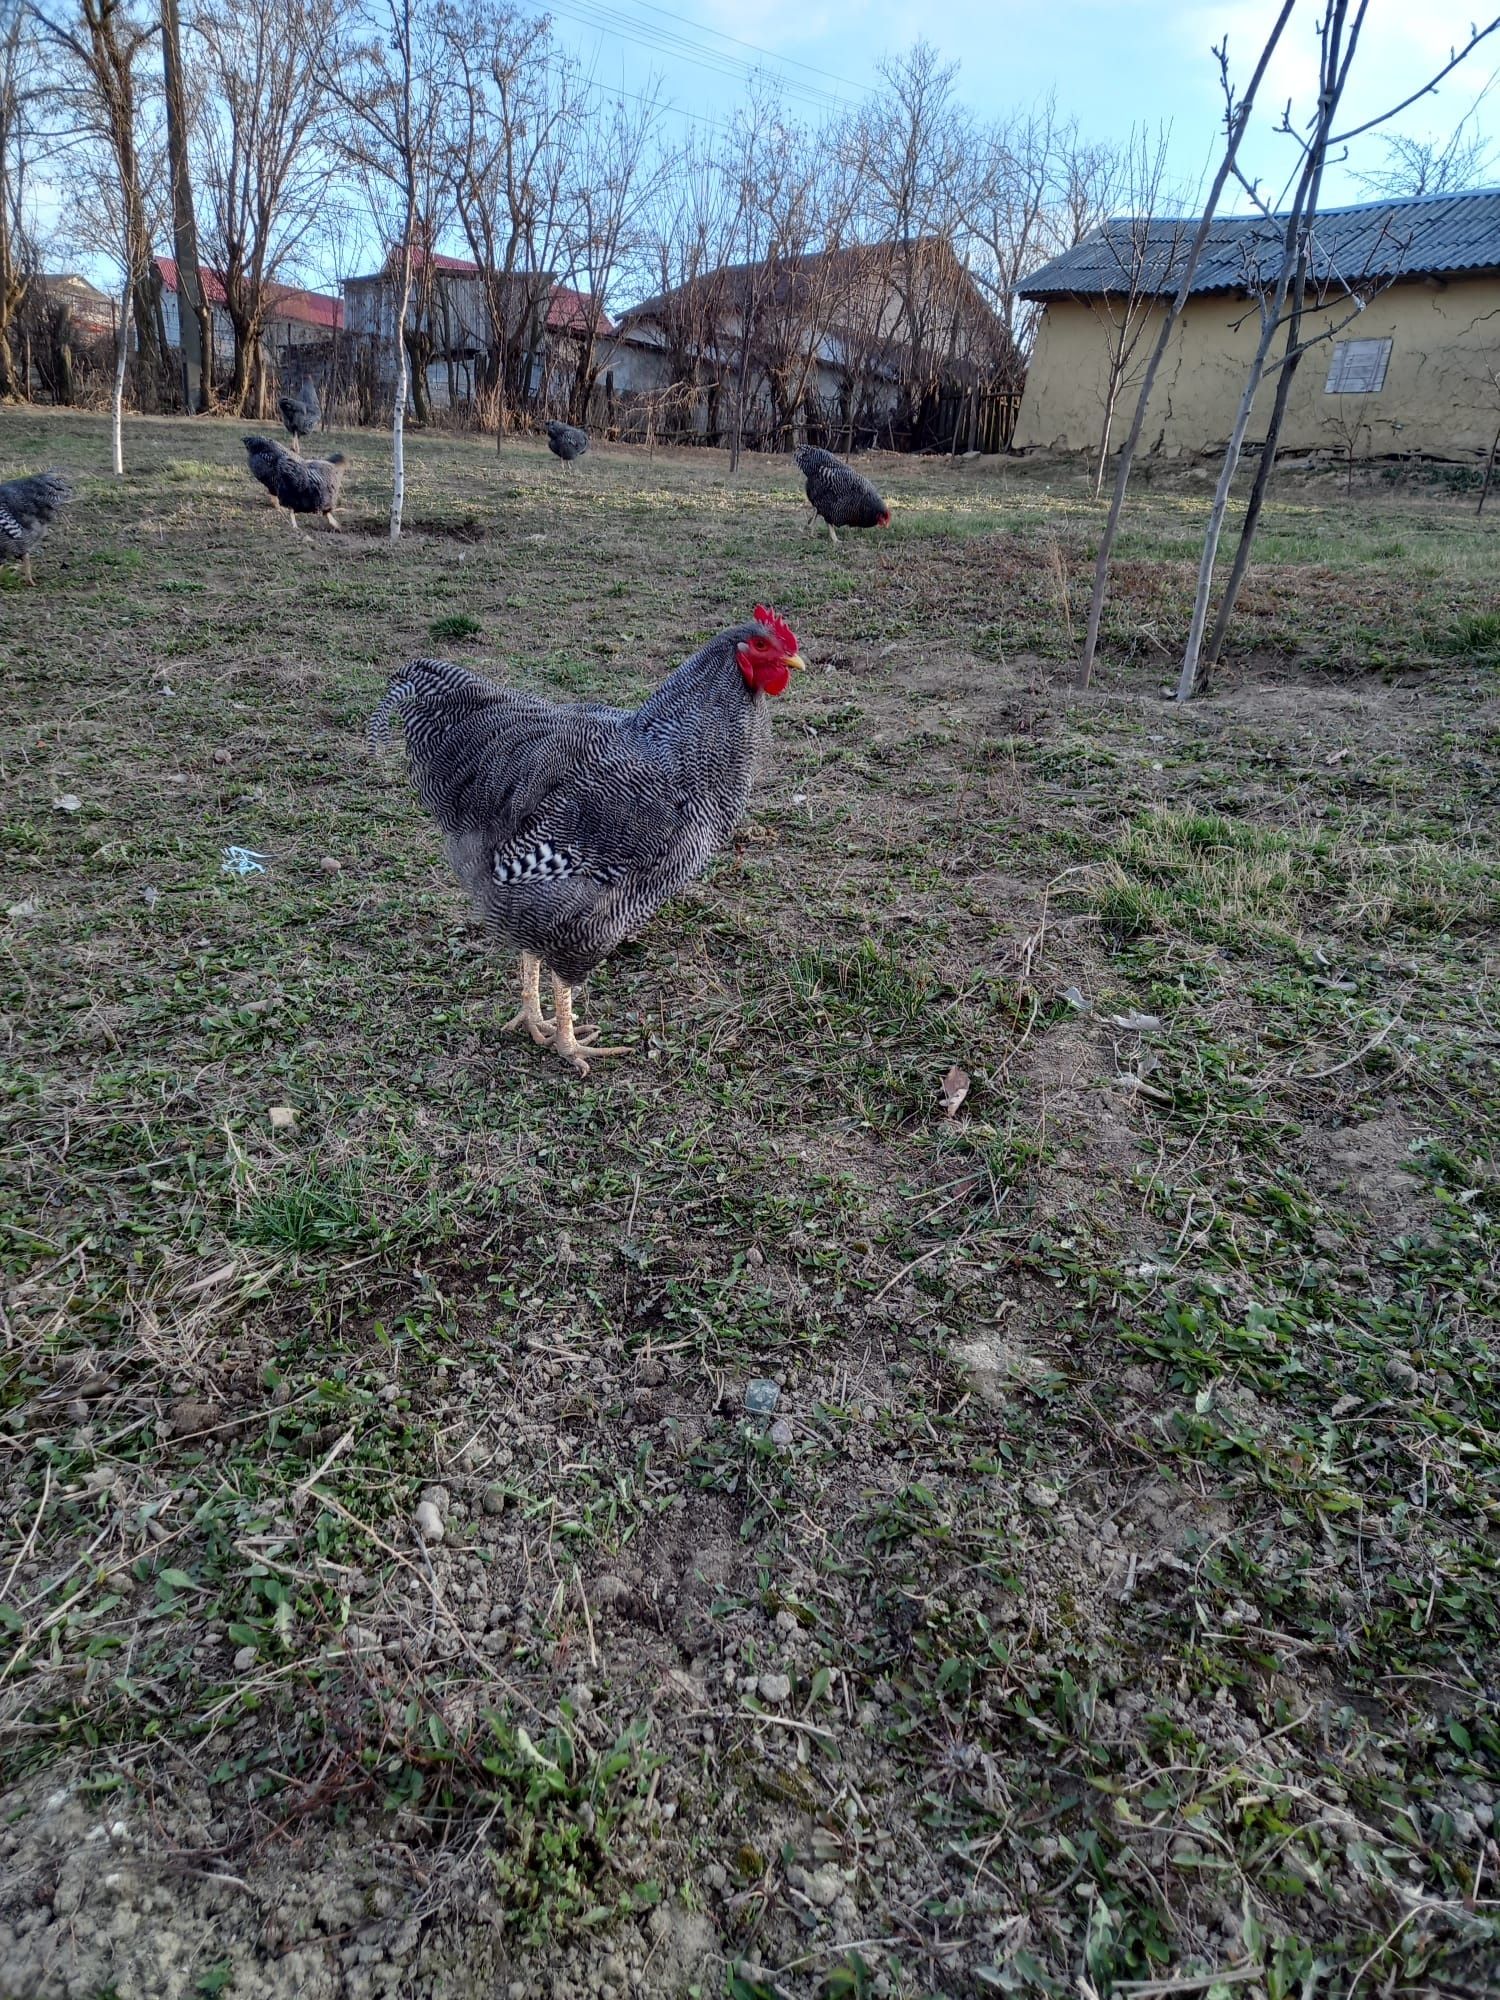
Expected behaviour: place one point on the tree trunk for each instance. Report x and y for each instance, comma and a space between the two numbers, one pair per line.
117, 401
194, 321
1235, 132
1304, 209
398, 412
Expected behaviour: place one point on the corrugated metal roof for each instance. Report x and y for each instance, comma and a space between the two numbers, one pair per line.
1428, 235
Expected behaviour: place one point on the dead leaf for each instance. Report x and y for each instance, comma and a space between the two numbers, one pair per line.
66, 802
955, 1090
1136, 1024
282, 1117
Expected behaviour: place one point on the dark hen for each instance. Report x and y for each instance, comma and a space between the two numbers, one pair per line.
27, 507
842, 496
301, 413
302, 485
566, 441
570, 826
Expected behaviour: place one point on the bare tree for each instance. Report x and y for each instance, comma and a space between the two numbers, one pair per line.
195, 340
98, 100
1236, 118
1035, 188
511, 137
1141, 248
389, 74
262, 68
914, 151
1296, 345
1465, 159
614, 175
19, 76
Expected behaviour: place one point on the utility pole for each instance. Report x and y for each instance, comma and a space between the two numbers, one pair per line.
194, 324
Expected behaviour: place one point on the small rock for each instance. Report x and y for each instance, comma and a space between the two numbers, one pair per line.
608, 1590
437, 1496
780, 1434
774, 1688
188, 1417
429, 1522
331, 866
755, 1255
245, 1659
760, 1396
1400, 1374
1041, 1494
282, 1116
824, 1886
66, 802
494, 1500
653, 1374
221, 757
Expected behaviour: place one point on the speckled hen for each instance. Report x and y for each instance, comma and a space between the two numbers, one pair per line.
571, 826
27, 507
842, 496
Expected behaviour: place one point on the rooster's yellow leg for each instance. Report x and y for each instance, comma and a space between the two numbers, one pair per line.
531, 1017
26, 569
573, 1048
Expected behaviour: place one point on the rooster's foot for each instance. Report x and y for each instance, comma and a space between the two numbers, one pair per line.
536, 1025
576, 1045
530, 1015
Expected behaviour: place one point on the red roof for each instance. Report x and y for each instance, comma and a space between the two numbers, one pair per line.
283, 301
213, 285
567, 311
570, 312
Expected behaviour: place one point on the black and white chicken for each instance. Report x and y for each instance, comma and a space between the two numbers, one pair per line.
843, 497
571, 826
301, 413
566, 441
301, 485
27, 507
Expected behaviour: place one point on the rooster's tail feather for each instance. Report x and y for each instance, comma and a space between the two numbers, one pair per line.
397, 695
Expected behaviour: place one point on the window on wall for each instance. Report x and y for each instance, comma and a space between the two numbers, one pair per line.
1357, 368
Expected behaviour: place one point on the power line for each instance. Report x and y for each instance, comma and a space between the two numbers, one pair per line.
681, 48
739, 42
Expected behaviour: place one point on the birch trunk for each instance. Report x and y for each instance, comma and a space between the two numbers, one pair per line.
1236, 132
117, 399
398, 414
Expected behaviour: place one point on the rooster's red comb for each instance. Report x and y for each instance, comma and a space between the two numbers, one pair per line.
777, 626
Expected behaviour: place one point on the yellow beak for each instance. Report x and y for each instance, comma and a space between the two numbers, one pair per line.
796, 662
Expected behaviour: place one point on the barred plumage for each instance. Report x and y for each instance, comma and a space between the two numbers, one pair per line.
570, 826
844, 497
305, 485
27, 507
566, 441
302, 412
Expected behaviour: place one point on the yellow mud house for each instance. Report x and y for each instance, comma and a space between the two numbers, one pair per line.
1407, 291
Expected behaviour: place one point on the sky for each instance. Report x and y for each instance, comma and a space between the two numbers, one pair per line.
1116, 64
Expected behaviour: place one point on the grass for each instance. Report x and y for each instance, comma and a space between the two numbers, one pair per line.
1115, 1600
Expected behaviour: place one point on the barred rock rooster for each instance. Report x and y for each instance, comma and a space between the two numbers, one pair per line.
26, 510
301, 485
571, 826
844, 497
301, 413
566, 441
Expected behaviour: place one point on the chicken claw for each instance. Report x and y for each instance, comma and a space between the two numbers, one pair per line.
574, 1047
530, 1017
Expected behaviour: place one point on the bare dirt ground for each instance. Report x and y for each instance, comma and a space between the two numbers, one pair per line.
1034, 1539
